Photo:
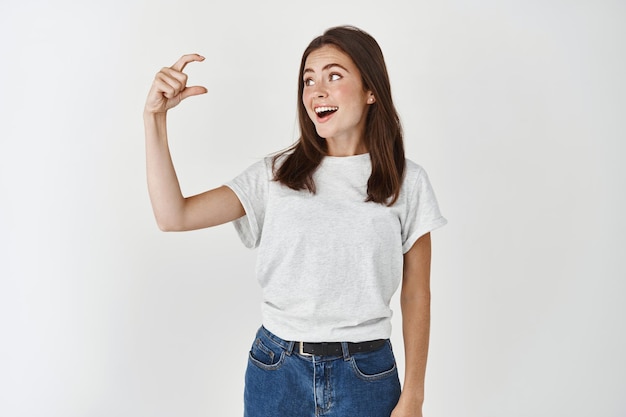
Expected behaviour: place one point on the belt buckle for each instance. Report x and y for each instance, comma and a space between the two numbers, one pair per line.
301, 352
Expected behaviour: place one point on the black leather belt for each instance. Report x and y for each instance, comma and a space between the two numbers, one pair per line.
334, 348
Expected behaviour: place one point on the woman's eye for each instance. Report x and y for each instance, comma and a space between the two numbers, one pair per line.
308, 82
334, 77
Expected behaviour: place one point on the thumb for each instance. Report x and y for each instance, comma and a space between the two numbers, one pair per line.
192, 91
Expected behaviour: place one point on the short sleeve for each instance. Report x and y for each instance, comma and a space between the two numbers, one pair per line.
422, 210
251, 187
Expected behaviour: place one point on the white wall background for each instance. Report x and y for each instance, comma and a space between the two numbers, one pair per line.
515, 108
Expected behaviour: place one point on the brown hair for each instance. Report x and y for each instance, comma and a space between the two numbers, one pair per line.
383, 132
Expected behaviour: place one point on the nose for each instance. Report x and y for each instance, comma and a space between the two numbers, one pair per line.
320, 90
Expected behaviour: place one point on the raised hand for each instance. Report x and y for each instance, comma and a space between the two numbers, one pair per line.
170, 86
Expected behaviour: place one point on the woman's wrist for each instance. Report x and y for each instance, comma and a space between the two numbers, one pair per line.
153, 116
411, 400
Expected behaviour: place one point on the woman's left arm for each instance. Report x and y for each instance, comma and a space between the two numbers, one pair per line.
415, 305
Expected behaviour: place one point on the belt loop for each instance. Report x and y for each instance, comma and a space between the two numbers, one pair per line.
290, 347
346, 351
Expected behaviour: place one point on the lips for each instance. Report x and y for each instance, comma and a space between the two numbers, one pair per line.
324, 112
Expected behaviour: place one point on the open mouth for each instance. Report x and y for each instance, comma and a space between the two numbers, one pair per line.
325, 111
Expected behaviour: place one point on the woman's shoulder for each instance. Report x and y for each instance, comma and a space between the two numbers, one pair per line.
278, 157
413, 169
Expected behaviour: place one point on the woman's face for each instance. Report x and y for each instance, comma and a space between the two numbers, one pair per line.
335, 100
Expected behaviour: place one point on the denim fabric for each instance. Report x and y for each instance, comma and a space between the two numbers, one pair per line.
282, 383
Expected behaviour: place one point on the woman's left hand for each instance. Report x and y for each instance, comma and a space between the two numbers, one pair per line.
404, 410
399, 412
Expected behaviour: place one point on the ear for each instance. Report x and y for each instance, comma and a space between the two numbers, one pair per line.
371, 99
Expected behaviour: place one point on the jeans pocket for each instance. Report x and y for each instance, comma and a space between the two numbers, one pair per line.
266, 355
372, 366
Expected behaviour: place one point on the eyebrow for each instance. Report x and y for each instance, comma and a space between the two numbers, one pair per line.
326, 67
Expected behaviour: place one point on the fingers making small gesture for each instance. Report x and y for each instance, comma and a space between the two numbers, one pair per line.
170, 86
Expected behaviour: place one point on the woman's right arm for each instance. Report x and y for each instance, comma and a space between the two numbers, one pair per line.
172, 211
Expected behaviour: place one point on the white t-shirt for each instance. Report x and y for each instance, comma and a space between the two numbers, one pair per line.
329, 263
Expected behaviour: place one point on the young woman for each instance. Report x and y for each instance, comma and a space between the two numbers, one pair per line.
340, 219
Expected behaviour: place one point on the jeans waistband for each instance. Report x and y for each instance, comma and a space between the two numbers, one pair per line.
345, 349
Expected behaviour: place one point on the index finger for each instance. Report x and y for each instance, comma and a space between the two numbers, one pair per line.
186, 59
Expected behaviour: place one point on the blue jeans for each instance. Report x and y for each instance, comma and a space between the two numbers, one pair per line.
282, 383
